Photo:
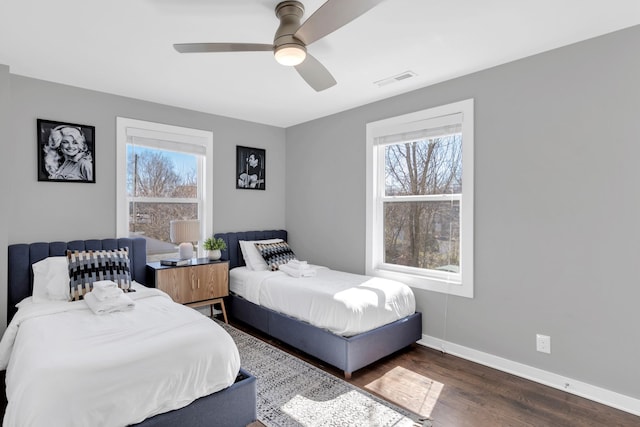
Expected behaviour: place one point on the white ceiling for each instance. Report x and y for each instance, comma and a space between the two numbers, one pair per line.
124, 47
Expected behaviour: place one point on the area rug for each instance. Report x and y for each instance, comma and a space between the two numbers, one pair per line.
292, 392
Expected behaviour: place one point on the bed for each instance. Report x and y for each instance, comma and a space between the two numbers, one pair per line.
348, 353
234, 404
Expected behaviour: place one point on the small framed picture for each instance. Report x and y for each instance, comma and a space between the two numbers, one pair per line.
66, 152
250, 168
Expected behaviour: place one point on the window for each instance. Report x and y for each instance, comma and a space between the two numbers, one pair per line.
161, 176
420, 198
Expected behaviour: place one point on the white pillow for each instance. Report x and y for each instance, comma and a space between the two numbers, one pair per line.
25, 302
252, 256
51, 279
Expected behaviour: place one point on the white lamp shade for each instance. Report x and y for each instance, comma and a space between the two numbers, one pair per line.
184, 232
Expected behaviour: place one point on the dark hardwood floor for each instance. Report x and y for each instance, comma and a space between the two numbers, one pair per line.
454, 392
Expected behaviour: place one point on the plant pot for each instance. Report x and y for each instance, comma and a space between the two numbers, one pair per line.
214, 254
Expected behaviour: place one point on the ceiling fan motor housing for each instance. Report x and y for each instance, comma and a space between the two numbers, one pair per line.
289, 13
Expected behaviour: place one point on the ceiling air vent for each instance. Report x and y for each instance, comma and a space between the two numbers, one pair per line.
394, 79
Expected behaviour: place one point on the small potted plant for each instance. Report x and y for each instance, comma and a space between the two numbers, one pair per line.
214, 247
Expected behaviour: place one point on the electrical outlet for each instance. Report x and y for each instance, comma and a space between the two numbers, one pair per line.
543, 343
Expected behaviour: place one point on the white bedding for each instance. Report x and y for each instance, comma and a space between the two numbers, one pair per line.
343, 303
69, 367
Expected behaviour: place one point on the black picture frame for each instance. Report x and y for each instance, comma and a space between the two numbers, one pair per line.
250, 168
66, 152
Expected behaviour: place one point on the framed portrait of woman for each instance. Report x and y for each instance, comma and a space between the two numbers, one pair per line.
250, 168
66, 152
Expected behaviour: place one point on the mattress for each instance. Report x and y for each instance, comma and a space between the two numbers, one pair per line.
344, 303
69, 367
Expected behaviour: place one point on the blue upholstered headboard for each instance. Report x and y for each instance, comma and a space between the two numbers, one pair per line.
22, 255
233, 253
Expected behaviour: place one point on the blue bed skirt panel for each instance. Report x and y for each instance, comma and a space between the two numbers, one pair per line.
249, 313
232, 407
348, 354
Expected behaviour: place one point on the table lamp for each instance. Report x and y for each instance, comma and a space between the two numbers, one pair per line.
184, 232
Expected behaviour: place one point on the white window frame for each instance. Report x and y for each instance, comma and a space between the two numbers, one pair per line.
126, 129
461, 283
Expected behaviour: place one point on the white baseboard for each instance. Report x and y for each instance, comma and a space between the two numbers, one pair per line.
588, 391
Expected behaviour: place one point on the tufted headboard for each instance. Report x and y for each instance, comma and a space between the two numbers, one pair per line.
233, 253
22, 255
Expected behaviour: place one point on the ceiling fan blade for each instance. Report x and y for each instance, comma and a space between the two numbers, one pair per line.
330, 16
222, 47
315, 74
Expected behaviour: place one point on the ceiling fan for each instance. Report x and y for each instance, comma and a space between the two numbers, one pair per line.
291, 39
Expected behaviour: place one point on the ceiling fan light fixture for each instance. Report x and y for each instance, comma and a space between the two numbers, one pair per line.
291, 39
290, 54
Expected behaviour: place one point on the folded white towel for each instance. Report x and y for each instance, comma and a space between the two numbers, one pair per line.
111, 305
297, 272
106, 289
294, 263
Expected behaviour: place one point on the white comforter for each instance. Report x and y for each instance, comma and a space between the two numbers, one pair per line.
69, 367
343, 303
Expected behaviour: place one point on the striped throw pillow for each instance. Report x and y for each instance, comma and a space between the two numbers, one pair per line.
275, 254
87, 267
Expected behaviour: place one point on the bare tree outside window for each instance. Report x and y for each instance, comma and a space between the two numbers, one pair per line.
159, 191
421, 218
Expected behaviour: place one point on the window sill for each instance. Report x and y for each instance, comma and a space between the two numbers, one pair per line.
427, 283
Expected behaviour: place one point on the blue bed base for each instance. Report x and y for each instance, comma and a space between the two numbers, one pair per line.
233, 406
346, 353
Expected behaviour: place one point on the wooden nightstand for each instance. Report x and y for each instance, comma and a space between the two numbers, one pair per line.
203, 282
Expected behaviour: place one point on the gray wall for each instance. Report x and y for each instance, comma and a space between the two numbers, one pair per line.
46, 211
556, 211
5, 143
